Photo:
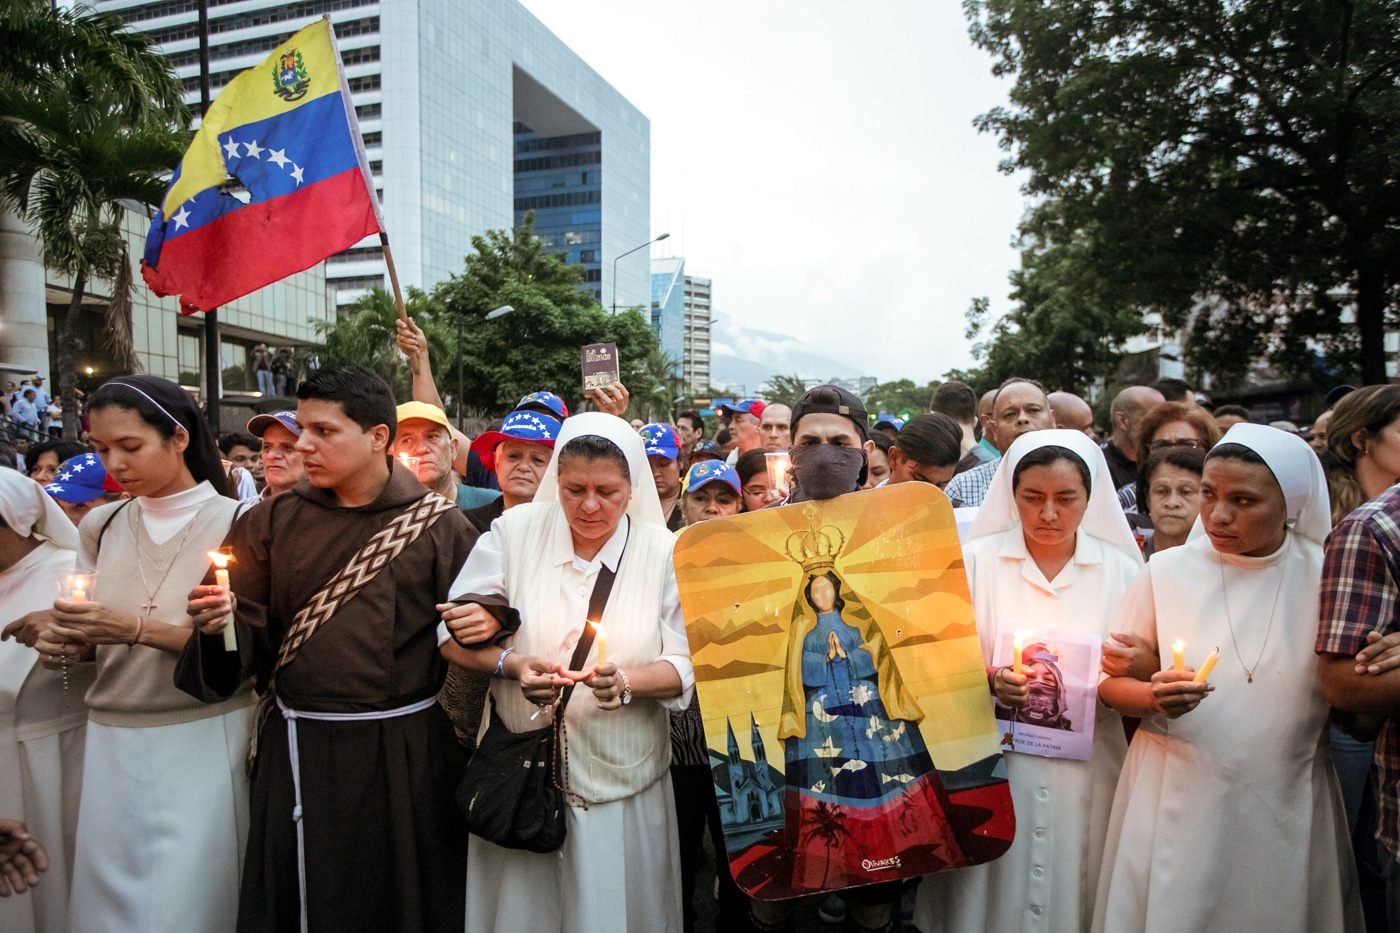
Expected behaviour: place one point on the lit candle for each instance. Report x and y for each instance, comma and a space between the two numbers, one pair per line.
1018, 647
779, 463
79, 594
1206, 668
602, 641
221, 560
1178, 655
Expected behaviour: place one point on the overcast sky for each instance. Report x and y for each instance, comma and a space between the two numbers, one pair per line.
817, 160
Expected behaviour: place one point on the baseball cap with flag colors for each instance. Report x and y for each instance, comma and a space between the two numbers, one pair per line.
661, 440
710, 471
545, 400
748, 406
519, 426
81, 479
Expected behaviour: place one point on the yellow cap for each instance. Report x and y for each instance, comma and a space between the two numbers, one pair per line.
410, 410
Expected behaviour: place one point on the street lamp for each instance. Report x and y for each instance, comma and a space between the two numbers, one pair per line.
502, 311
629, 253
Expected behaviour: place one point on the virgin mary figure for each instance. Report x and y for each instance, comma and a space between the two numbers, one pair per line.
861, 785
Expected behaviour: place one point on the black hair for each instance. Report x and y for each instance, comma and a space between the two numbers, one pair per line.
237, 439
1236, 452
883, 442
934, 440
694, 418
61, 449
835, 584
1238, 411
9, 457
722, 436
1182, 457
163, 405
1174, 390
1053, 453
750, 464
955, 400
364, 396
592, 447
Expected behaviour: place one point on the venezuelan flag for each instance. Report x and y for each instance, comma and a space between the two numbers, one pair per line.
286, 131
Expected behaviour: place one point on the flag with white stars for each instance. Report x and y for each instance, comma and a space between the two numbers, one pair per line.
275, 181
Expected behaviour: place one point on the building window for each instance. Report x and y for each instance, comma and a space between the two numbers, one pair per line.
355, 27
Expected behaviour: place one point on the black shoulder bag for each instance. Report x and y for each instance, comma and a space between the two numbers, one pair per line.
512, 793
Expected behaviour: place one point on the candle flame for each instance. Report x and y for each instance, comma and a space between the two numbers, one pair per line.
1178, 645
220, 559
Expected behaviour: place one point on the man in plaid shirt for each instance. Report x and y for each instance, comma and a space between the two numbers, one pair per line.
1360, 595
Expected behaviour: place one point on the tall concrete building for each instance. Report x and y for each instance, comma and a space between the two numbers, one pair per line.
695, 359
472, 113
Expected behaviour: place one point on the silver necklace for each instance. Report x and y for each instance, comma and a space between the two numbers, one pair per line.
143, 538
1225, 599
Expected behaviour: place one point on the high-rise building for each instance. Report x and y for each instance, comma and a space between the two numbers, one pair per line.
668, 305
471, 113
695, 358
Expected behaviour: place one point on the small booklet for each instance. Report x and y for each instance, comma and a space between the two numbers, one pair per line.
1057, 720
599, 367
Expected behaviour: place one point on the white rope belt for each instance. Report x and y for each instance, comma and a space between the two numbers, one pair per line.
292, 715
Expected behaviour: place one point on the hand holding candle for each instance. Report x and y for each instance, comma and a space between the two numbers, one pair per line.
1178, 655
221, 559
1207, 667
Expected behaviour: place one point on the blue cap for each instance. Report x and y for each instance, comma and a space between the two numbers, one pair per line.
520, 426
747, 406
260, 423
546, 400
708, 450
661, 440
81, 479
709, 471
886, 418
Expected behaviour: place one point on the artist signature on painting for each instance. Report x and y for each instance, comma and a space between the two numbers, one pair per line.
880, 865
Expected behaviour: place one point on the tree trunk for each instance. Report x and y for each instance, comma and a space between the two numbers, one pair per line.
1370, 322
67, 362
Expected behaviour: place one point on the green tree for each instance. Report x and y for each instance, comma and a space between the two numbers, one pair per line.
89, 116
902, 398
785, 390
660, 378
364, 335
1231, 167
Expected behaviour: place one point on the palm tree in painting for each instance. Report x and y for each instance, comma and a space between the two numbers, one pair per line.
829, 825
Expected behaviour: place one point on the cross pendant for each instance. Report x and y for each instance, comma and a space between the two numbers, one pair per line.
148, 607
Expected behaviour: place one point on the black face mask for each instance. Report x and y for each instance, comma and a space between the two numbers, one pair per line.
825, 471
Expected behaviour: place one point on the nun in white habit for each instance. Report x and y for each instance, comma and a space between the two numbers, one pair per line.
618, 869
1047, 550
43, 719
1228, 815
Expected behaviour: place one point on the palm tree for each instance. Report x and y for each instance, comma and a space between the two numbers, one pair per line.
364, 334
89, 117
829, 825
660, 374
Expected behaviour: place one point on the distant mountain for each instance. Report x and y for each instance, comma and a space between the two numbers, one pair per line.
735, 352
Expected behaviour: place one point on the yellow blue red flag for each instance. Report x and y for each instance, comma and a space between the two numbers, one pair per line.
286, 130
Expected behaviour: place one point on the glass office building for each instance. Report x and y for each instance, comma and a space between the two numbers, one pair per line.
668, 306
468, 110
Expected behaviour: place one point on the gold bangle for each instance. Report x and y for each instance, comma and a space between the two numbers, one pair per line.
140, 626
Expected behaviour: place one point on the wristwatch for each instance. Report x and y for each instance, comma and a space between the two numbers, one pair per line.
626, 687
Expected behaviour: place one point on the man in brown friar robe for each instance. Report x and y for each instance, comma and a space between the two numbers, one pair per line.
356, 764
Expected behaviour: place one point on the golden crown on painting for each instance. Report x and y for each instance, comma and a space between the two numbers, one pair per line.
816, 548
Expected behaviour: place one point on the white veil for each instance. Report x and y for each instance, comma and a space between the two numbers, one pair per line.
646, 503
30, 511
1299, 473
1104, 517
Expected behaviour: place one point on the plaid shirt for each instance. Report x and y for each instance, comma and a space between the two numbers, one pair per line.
971, 487
1361, 593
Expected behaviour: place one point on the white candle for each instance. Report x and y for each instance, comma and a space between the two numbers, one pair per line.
1178, 655
221, 560
1018, 647
602, 642
79, 594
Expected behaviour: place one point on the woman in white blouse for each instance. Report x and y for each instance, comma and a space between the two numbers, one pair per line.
596, 506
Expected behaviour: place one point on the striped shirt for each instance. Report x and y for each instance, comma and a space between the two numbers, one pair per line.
1360, 593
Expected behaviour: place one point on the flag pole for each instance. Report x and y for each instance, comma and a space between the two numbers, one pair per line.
213, 359
393, 275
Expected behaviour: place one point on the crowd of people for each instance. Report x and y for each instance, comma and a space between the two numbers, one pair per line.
281, 745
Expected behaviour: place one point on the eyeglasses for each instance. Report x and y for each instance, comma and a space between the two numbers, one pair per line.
1178, 442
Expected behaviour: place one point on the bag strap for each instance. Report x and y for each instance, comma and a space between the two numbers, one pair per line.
597, 602
97, 549
388, 543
